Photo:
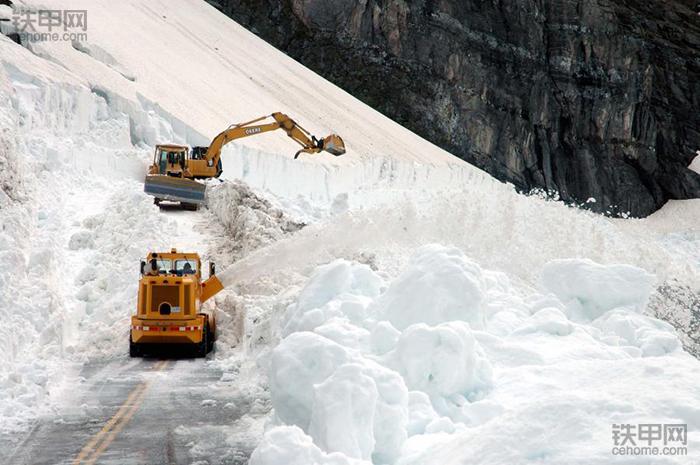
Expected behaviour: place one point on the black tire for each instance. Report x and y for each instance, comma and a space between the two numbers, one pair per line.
134, 349
211, 339
203, 346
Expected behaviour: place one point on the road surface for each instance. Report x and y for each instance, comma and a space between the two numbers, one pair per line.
140, 411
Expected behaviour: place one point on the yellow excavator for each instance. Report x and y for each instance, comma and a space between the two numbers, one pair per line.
175, 168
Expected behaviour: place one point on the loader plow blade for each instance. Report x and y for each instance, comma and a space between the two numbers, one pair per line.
175, 189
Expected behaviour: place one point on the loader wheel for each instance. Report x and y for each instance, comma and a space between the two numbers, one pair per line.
203, 346
134, 349
156, 201
210, 339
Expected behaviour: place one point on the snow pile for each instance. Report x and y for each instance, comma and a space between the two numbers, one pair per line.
442, 280
290, 446
249, 220
319, 301
442, 361
356, 379
346, 402
589, 289
679, 305
74, 225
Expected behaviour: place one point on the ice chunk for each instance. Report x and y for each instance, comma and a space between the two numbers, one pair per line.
548, 320
654, 337
440, 284
344, 333
420, 412
81, 240
343, 413
344, 401
383, 338
442, 361
589, 289
341, 288
299, 362
289, 445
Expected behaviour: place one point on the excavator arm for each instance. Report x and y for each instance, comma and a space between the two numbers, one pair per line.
332, 144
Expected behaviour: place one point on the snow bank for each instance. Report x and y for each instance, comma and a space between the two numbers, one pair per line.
345, 402
339, 289
444, 360
375, 384
290, 446
438, 285
589, 289
249, 220
73, 228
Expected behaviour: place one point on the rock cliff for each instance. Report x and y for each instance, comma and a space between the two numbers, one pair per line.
589, 99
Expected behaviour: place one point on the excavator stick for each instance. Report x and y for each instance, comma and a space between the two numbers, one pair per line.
175, 189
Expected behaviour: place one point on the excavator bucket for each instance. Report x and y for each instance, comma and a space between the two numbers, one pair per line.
334, 145
175, 189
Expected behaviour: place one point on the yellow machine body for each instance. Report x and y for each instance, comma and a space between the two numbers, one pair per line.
169, 307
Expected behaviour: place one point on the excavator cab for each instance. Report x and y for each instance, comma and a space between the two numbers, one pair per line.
169, 160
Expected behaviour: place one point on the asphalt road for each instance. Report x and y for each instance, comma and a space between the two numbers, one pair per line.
138, 411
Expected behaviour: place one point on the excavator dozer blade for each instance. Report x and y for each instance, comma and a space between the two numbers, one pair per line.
175, 189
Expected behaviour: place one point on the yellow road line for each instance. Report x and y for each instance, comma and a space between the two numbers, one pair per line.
125, 406
109, 431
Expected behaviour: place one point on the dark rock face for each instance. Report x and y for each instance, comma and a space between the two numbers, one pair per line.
587, 98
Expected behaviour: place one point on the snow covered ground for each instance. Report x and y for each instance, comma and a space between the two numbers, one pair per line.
394, 305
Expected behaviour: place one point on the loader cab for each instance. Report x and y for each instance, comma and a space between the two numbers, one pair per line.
169, 160
170, 307
173, 291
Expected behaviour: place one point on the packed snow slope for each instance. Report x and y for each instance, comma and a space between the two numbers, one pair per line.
192, 64
434, 314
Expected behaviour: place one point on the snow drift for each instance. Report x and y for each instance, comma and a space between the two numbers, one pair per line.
348, 386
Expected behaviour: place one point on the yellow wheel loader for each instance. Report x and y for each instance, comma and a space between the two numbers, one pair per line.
176, 167
169, 309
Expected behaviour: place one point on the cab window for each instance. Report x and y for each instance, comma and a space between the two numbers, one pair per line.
164, 266
184, 267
